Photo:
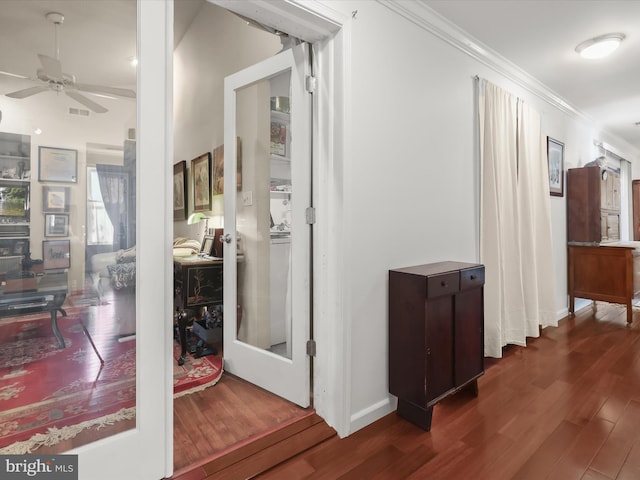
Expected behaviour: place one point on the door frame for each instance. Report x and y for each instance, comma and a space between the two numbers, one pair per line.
154, 379
328, 31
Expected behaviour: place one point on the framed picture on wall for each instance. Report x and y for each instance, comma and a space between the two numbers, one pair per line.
56, 254
56, 225
56, 199
57, 165
180, 191
555, 159
201, 171
218, 168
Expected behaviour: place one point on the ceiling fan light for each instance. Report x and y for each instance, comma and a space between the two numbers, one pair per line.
601, 46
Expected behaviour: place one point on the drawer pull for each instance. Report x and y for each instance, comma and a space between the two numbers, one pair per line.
443, 284
472, 277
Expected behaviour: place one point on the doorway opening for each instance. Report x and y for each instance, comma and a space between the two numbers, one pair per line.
234, 411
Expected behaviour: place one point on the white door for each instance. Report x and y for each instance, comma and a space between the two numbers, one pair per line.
145, 452
267, 258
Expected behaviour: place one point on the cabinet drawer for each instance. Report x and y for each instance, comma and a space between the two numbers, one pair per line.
471, 278
444, 284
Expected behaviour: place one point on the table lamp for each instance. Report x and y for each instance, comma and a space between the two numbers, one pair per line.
197, 218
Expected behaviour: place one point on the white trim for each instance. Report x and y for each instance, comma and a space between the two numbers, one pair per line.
309, 21
332, 325
153, 433
168, 239
372, 413
428, 19
328, 31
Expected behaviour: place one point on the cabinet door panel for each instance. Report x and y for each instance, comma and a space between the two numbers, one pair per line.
439, 346
469, 336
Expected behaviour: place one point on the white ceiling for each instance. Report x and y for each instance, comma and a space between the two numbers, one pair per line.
96, 41
540, 37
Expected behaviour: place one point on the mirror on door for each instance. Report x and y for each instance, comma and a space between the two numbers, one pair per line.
264, 220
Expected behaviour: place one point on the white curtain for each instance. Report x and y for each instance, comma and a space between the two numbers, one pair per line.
515, 225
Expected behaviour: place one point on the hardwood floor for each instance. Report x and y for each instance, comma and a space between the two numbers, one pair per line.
219, 419
565, 407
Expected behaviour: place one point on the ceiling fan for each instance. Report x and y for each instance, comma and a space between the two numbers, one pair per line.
51, 77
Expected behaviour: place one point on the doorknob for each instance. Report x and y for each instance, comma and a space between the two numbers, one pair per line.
226, 238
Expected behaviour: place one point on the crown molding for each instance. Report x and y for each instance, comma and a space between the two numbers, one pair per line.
428, 19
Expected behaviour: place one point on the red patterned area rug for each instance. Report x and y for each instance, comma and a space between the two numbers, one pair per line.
196, 374
48, 394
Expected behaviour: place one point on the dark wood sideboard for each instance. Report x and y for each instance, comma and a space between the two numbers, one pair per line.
436, 335
603, 273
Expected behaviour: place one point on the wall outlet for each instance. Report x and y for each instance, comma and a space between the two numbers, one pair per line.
247, 198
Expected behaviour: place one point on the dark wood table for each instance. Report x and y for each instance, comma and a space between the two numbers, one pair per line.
48, 296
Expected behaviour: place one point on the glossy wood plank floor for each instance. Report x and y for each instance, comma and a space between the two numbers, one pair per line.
565, 407
218, 418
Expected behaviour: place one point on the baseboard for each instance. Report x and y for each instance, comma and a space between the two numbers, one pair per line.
372, 413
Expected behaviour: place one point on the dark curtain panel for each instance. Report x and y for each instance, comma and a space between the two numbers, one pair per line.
115, 195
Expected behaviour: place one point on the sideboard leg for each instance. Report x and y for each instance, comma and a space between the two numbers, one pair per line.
415, 414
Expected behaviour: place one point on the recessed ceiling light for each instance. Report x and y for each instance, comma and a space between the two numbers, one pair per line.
601, 46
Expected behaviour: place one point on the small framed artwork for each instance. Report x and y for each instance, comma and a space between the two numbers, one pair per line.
201, 170
218, 168
180, 191
56, 254
20, 247
555, 158
207, 245
57, 165
56, 199
56, 225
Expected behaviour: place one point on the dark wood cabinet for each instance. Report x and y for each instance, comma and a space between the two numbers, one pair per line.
635, 189
436, 335
603, 273
593, 205
197, 283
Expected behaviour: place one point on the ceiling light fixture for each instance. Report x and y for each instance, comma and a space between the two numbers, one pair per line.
601, 46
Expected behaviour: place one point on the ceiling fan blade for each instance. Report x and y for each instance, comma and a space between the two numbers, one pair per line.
14, 75
27, 92
120, 92
51, 66
85, 101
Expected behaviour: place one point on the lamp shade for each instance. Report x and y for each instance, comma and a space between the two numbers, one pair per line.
196, 218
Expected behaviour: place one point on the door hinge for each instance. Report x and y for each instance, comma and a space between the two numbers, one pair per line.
311, 348
310, 215
310, 83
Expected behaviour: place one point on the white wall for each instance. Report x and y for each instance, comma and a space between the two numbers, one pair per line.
411, 176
